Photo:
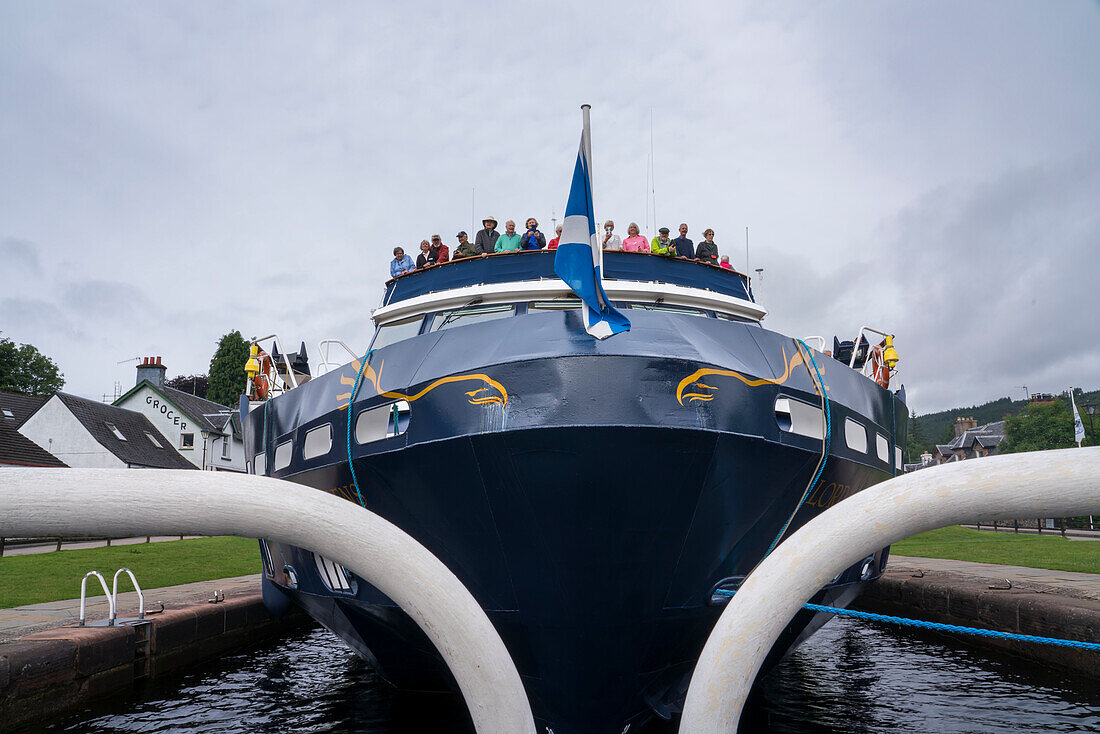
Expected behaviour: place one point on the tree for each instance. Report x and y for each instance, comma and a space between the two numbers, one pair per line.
227, 378
1042, 426
947, 435
24, 369
915, 441
193, 384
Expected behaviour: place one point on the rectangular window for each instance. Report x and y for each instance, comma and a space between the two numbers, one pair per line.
383, 421
154, 440
396, 331
225, 448
8, 413
282, 456
795, 416
187, 440
670, 309
855, 435
318, 442
562, 305
118, 434
897, 458
882, 447
471, 315
259, 464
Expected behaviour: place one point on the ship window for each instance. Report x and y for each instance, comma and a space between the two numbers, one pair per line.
282, 455
471, 315
855, 435
562, 305
259, 464
882, 447
897, 457
396, 331
383, 421
731, 317
664, 307
334, 576
318, 442
794, 416
154, 440
265, 556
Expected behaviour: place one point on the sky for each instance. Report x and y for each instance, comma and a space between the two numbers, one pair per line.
172, 171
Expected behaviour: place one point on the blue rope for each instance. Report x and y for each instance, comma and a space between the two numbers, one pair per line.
351, 411
819, 385
953, 628
939, 627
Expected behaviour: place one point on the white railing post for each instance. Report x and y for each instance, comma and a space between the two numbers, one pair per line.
1061, 483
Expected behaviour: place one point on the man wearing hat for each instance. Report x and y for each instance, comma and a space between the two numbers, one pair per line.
442, 252
486, 241
465, 247
662, 245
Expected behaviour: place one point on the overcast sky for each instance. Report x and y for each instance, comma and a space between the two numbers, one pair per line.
172, 171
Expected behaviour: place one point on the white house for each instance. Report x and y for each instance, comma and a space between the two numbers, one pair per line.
206, 433
87, 434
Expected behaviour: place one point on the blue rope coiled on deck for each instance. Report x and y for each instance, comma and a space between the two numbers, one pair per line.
351, 411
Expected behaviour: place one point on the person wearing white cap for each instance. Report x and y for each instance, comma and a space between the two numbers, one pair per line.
486, 241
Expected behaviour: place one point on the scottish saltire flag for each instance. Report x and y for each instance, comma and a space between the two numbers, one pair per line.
579, 258
1078, 426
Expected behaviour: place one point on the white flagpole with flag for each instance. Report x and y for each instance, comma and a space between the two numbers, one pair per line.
579, 258
1078, 426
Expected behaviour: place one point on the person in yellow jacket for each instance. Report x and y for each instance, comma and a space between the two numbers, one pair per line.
662, 245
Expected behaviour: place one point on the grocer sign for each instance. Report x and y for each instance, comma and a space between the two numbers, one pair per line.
167, 411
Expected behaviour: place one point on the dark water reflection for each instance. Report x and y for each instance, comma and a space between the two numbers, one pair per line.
851, 677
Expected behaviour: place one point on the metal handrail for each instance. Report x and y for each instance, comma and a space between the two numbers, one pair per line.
282, 351
855, 350
322, 353
106, 592
114, 589
819, 339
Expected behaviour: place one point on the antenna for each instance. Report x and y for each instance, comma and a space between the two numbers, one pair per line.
747, 249
131, 359
473, 209
652, 177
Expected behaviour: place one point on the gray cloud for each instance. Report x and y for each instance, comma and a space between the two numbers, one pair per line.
184, 173
19, 256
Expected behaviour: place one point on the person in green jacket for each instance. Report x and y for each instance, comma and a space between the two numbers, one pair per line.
662, 245
509, 241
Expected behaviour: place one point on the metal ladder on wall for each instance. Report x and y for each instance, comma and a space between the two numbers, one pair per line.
142, 626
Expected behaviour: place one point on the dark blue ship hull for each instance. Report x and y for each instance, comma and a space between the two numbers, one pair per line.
591, 495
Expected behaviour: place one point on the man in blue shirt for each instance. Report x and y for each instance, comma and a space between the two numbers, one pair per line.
401, 263
684, 246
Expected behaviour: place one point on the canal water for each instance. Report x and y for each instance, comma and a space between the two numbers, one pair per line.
851, 677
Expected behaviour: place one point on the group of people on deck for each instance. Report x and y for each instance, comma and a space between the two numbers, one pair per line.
489, 241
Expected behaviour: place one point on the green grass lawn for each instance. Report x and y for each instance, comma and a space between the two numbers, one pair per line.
52, 576
1006, 548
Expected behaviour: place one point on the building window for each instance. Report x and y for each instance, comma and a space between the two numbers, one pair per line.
9, 414
187, 440
154, 440
118, 434
225, 448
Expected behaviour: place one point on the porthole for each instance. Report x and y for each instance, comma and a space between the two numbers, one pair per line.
855, 435
282, 455
318, 442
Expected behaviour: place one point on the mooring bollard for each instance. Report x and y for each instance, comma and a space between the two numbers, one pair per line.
118, 503
1052, 483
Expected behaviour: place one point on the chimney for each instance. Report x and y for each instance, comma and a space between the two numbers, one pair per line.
152, 370
962, 425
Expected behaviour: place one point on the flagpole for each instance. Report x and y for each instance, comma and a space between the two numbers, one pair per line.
587, 134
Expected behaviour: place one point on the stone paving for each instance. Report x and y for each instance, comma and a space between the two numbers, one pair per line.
25, 550
19, 621
1079, 585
